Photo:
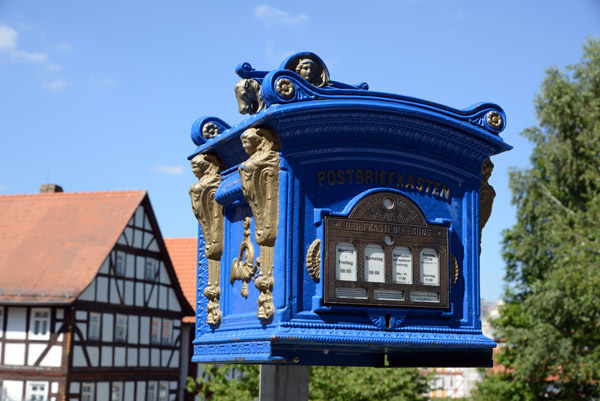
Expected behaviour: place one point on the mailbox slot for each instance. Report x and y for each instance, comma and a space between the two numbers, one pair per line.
386, 254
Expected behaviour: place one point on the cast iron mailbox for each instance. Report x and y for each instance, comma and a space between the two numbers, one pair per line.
341, 226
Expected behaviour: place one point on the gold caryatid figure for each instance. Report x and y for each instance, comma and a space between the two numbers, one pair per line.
486, 196
260, 185
207, 168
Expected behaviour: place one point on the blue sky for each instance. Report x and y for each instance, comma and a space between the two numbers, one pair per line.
99, 96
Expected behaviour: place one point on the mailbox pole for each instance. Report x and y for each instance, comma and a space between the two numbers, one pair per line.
283, 383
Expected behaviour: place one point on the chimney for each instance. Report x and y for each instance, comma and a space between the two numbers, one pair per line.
50, 188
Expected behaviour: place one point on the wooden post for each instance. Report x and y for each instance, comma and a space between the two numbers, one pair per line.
283, 383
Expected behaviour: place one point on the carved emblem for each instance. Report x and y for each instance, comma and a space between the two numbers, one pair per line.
486, 196
494, 119
285, 88
313, 260
453, 270
210, 130
242, 267
247, 93
207, 168
260, 185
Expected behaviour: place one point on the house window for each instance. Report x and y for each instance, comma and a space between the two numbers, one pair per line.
150, 270
94, 333
121, 328
151, 393
120, 264
36, 391
155, 331
87, 392
116, 392
163, 391
39, 324
167, 329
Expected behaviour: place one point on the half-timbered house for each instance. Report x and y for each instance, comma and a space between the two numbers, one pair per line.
184, 256
90, 306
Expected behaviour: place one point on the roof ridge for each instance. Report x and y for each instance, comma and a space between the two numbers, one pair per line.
72, 194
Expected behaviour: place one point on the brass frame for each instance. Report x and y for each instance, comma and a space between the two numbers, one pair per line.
398, 224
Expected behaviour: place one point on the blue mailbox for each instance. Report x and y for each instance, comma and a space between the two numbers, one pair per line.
341, 226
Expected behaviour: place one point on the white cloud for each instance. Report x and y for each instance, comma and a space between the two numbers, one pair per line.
108, 81
172, 170
8, 44
53, 67
271, 15
55, 85
65, 47
8, 38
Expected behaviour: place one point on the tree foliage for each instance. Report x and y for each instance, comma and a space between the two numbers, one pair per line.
327, 383
551, 316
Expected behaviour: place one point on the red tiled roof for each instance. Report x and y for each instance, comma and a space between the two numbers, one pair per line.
53, 244
183, 253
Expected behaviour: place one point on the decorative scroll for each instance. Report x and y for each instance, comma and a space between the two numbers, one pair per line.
211, 219
243, 267
247, 93
260, 185
313, 260
486, 196
453, 270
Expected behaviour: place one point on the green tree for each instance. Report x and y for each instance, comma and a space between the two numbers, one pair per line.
551, 316
327, 383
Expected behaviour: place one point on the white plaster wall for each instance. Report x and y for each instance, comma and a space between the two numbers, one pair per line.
129, 391
14, 354
164, 277
94, 354
175, 360
35, 350
13, 389
120, 354
107, 327
139, 294
83, 329
162, 304
132, 354
155, 357
164, 360
78, 357
129, 293
106, 356
105, 266
103, 391
102, 294
173, 302
141, 391
53, 358
89, 294
144, 330
114, 296
144, 357
16, 324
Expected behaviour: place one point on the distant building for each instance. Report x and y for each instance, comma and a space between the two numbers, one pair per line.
90, 306
459, 382
184, 256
